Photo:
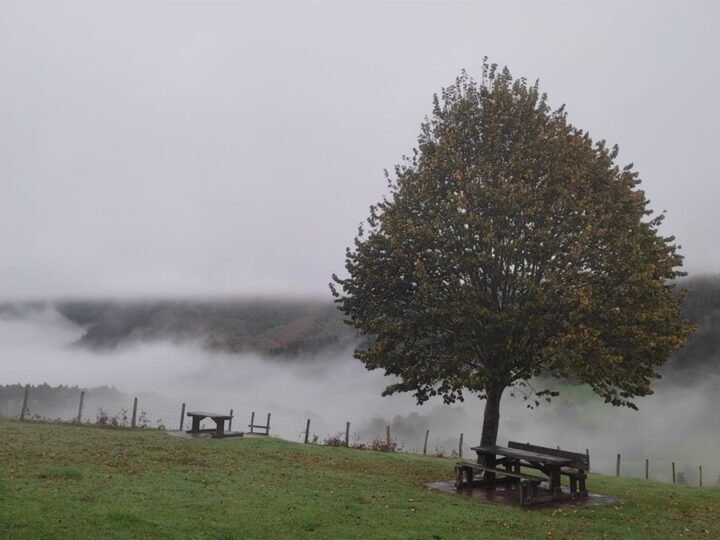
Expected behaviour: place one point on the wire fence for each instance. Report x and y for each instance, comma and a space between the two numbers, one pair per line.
151, 412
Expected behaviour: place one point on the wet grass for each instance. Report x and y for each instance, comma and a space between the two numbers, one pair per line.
68, 481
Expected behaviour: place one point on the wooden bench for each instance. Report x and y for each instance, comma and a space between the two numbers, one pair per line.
465, 470
253, 426
576, 471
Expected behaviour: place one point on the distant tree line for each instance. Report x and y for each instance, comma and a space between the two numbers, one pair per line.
279, 328
11, 396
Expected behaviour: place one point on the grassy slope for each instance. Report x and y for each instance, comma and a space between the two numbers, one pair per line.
65, 481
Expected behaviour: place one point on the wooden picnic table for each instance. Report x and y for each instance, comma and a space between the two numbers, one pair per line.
513, 458
218, 418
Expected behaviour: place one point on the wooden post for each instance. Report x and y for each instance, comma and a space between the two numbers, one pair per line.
25, 400
673, 469
268, 424
700, 475
460, 446
347, 434
587, 454
387, 435
647, 469
80, 406
182, 416
427, 434
252, 421
617, 467
230, 421
307, 431
134, 415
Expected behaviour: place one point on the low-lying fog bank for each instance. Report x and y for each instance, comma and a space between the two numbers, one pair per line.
678, 424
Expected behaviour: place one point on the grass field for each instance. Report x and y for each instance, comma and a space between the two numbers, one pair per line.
69, 481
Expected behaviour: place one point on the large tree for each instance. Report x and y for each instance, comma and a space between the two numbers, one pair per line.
511, 246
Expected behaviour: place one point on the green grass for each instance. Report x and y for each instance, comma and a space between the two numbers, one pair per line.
69, 481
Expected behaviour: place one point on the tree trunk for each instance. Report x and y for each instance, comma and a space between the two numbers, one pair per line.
491, 421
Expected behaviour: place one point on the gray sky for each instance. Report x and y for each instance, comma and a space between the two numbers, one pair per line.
191, 148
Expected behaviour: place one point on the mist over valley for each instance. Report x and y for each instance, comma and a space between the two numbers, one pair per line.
294, 360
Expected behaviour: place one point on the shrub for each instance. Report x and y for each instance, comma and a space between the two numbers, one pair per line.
335, 440
384, 445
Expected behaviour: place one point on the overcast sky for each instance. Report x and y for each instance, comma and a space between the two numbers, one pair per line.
232, 148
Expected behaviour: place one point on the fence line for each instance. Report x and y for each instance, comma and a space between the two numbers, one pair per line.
150, 415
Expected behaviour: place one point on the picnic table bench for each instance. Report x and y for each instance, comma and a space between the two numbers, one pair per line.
464, 476
218, 418
575, 470
553, 463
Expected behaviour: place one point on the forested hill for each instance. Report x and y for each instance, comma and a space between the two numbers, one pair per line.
270, 327
290, 328
701, 307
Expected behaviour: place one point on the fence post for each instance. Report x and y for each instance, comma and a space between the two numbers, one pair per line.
182, 416
387, 435
307, 431
268, 425
460, 446
587, 454
134, 415
647, 469
230, 421
673, 469
80, 406
427, 434
700, 475
252, 421
25, 400
347, 434
617, 467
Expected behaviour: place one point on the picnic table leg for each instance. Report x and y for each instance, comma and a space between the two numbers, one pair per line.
490, 461
583, 487
554, 481
220, 423
195, 424
461, 476
513, 466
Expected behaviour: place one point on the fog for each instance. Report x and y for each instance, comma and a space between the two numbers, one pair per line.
232, 148
678, 423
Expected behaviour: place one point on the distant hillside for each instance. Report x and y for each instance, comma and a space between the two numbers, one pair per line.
701, 355
273, 327
289, 328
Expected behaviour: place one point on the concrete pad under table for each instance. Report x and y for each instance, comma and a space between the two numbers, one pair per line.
507, 493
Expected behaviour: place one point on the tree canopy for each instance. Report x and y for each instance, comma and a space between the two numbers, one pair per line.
511, 245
